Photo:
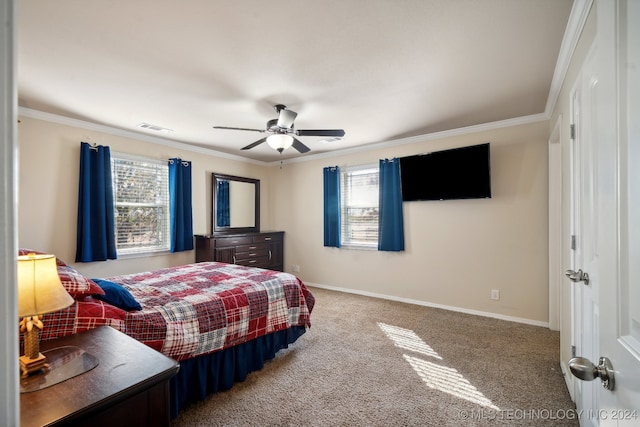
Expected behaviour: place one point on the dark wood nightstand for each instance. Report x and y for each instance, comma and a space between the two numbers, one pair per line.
129, 387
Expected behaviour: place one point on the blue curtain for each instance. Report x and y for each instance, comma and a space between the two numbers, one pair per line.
332, 206
181, 228
223, 218
96, 238
390, 221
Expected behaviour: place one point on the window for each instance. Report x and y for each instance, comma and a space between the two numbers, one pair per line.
141, 203
359, 206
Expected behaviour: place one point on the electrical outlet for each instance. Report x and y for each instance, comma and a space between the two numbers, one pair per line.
295, 268
495, 294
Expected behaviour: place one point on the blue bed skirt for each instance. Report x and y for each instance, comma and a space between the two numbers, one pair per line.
218, 371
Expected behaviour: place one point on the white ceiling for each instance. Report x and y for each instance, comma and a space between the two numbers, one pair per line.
382, 70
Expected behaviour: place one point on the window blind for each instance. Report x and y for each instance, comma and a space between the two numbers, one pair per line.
359, 206
141, 202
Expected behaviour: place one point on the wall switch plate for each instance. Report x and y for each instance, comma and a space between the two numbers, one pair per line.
495, 294
295, 268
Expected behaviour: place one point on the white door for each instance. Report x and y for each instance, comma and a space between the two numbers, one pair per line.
620, 329
584, 271
615, 133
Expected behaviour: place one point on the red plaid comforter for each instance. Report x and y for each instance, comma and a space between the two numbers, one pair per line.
195, 309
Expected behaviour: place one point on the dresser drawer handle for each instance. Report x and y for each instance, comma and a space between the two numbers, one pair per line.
267, 238
252, 261
252, 247
253, 254
234, 259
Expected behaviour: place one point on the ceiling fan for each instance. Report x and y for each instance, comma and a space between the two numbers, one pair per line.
281, 132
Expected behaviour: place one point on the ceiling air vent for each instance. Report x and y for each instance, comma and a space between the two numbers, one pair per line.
154, 128
330, 140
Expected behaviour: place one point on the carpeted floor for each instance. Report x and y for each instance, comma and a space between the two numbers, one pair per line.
372, 362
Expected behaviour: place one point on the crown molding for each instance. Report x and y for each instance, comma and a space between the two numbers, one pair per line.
54, 118
534, 118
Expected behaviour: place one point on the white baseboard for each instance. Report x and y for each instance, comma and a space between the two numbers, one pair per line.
429, 304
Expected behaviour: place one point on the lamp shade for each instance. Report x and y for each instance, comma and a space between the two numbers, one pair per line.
39, 288
280, 141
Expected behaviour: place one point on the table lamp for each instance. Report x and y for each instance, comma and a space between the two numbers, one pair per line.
39, 292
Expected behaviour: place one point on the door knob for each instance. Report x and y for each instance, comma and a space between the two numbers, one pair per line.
582, 368
577, 276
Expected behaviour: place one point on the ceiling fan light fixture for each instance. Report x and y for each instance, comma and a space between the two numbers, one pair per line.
280, 128
279, 141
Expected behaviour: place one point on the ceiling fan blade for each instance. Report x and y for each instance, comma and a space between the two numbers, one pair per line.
320, 132
300, 146
255, 144
232, 128
286, 118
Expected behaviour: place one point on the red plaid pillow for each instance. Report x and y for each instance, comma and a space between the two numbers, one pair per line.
23, 251
86, 313
76, 284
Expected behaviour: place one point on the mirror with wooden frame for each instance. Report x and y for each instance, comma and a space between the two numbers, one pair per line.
235, 204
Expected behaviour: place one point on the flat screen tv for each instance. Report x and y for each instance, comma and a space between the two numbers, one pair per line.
459, 173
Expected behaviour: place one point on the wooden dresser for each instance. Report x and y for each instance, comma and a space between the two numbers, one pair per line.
264, 250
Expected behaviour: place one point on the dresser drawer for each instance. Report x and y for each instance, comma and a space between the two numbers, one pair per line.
261, 262
233, 241
263, 253
252, 247
267, 237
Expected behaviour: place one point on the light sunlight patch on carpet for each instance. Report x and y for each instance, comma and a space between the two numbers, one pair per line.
436, 376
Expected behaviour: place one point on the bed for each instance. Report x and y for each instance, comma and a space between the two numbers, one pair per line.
220, 321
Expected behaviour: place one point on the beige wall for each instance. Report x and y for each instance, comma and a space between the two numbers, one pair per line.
47, 213
456, 251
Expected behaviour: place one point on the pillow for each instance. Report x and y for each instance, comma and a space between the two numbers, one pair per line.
23, 251
76, 284
117, 295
